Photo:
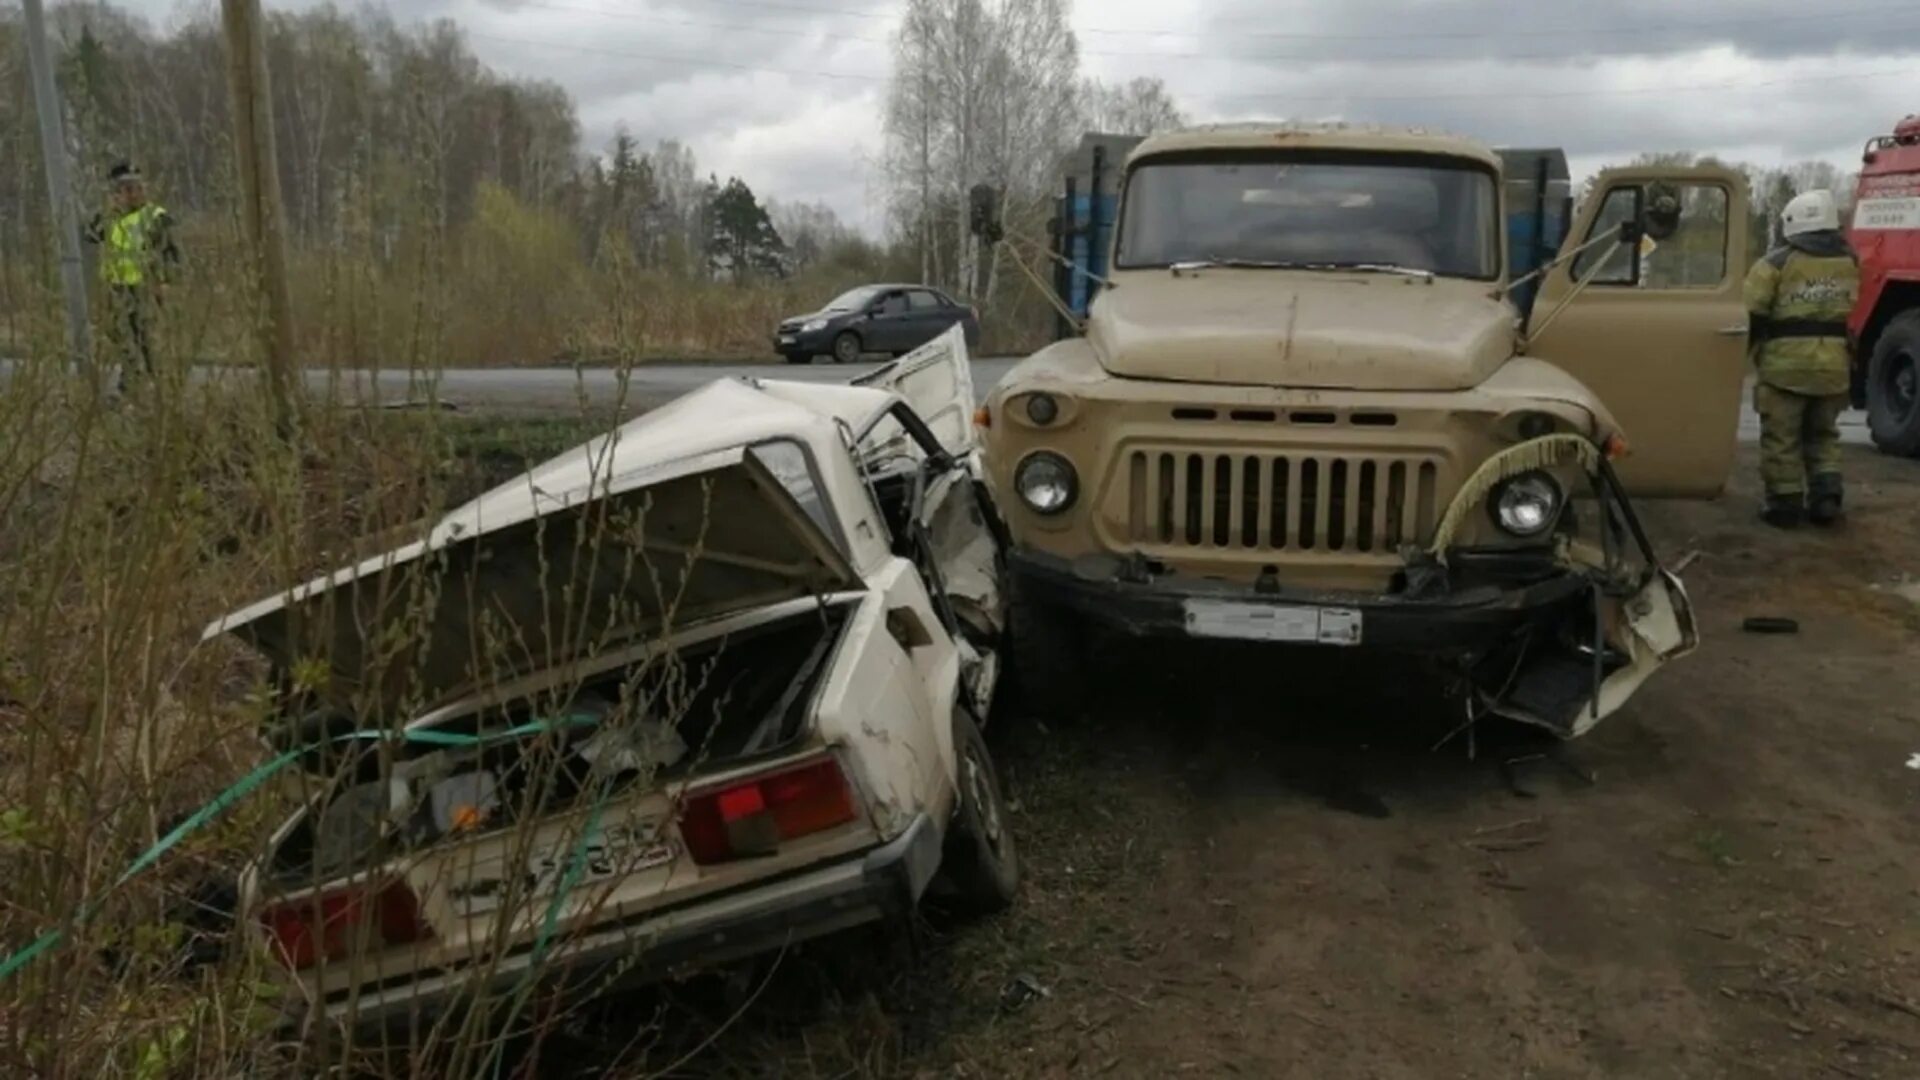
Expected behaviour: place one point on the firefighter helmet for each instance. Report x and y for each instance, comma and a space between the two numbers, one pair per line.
1812, 211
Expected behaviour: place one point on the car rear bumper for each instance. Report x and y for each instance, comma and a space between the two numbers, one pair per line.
1496, 597
879, 884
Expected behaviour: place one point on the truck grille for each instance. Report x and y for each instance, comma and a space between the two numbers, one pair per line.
1281, 502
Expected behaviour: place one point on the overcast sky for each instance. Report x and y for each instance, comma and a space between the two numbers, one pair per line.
788, 93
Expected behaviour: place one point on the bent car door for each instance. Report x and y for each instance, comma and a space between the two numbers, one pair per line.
936, 382
1657, 327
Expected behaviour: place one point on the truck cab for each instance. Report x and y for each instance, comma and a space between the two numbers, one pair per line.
1886, 321
1307, 411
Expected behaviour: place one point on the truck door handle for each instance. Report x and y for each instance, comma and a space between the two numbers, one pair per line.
1736, 330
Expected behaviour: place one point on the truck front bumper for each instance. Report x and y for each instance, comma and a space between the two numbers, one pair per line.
1495, 597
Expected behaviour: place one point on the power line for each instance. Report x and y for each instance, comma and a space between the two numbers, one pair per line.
686, 61
1906, 72
1155, 54
1271, 96
1536, 32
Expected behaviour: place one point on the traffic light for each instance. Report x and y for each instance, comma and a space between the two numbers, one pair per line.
983, 217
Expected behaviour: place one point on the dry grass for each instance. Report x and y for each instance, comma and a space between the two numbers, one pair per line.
509, 288
127, 528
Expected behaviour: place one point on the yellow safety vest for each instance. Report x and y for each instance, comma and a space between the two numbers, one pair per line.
129, 247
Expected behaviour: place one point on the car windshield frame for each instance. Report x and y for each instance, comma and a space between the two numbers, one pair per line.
861, 296
1487, 197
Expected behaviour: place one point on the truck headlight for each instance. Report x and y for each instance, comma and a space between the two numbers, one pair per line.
1046, 482
1527, 505
812, 325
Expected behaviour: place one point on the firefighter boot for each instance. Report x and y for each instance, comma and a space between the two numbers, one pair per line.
1824, 500
1783, 511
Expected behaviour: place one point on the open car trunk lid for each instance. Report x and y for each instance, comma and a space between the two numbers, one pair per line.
525, 579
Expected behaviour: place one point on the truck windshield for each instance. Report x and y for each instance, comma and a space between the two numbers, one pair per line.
1373, 211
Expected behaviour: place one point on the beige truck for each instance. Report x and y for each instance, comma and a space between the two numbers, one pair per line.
1306, 411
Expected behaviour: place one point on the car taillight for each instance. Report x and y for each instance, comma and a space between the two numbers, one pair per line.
328, 925
752, 816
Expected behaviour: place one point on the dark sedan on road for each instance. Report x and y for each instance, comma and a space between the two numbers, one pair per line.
891, 319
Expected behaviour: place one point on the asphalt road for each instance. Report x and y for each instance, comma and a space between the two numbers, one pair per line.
538, 391
535, 391
564, 391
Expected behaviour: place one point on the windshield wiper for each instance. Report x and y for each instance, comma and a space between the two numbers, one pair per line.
1383, 268
1212, 261
1323, 267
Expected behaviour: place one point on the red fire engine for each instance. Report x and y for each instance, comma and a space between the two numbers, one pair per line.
1886, 322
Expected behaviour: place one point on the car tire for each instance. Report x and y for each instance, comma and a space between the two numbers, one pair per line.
979, 867
1048, 654
1893, 387
846, 347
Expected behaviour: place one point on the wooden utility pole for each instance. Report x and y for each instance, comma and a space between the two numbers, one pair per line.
261, 213
53, 150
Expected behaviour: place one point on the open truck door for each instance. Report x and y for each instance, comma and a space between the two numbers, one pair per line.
1654, 322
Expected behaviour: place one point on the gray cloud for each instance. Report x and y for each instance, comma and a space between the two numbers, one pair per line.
788, 93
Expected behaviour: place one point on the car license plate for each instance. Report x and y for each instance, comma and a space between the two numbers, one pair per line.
1273, 622
616, 850
613, 852
787, 339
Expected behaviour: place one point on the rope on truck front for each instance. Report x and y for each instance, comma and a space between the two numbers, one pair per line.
1545, 452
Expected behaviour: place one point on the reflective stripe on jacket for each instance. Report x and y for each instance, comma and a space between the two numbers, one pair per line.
133, 244
1800, 295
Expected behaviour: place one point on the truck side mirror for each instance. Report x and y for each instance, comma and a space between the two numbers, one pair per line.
1662, 217
983, 213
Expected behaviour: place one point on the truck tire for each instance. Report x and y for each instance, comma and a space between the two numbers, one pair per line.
1048, 652
1893, 387
846, 347
979, 866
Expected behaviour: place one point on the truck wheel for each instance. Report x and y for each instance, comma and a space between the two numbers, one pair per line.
846, 347
980, 867
1893, 387
1049, 661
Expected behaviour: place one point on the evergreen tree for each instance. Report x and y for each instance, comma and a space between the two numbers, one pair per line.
741, 240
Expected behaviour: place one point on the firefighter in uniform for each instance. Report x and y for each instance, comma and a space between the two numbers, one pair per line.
137, 258
1798, 298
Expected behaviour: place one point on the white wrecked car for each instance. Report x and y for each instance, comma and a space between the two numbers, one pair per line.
704, 687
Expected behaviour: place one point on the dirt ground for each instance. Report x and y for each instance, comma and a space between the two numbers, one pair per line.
1720, 881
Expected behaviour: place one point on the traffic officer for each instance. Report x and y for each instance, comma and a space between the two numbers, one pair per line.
138, 257
1798, 298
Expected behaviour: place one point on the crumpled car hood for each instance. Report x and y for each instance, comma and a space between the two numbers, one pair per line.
1287, 328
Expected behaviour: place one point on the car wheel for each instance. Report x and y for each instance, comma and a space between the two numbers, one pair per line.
1893, 387
980, 868
1047, 652
846, 347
